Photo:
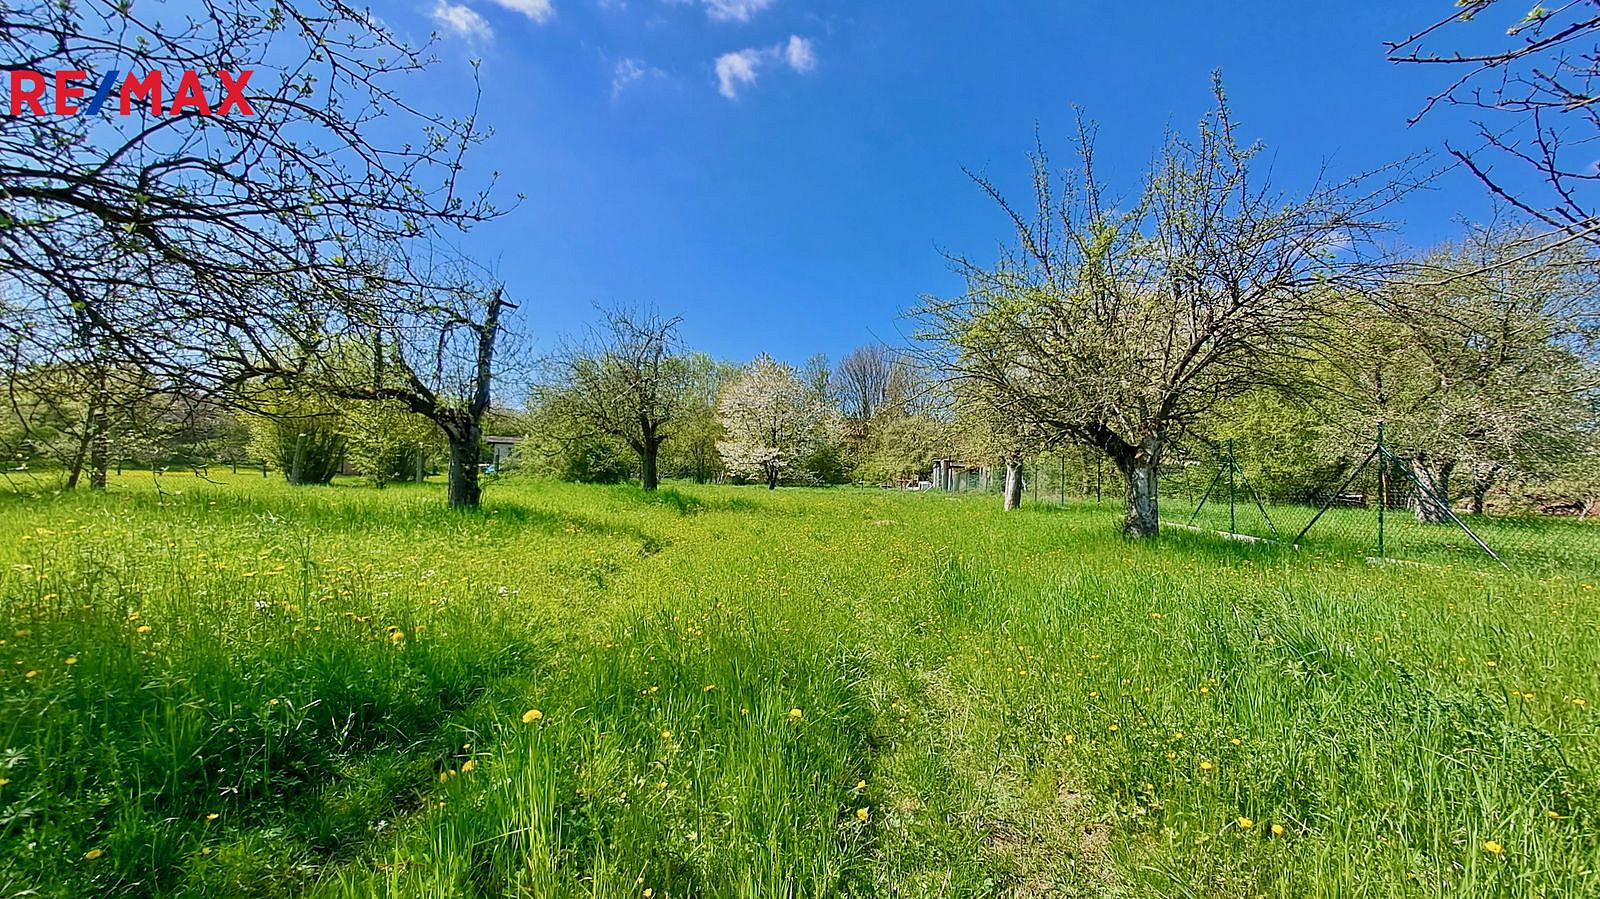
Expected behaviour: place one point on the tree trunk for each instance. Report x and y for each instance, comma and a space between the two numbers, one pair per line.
1142, 507
1480, 489
297, 466
647, 466
464, 491
1432, 503
99, 433
772, 477
75, 469
99, 448
1013, 494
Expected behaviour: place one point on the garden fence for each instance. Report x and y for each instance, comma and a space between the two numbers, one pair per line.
1380, 502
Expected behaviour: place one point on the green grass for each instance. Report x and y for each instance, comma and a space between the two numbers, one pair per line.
753, 693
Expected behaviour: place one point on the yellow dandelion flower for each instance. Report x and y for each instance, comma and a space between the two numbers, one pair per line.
444, 776
862, 814
795, 714
531, 716
72, 660
143, 629
1113, 728
1236, 742
93, 854
666, 735
213, 816
1277, 830
33, 673
1206, 765
1245, 823
1071, 738
1493, 848
1580, 702
710, 687
468, 765
648, 893
1554, 815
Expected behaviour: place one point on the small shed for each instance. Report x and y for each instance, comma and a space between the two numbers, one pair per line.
500, 448
953, 474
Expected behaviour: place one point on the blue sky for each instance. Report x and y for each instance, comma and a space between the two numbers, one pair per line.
785, 173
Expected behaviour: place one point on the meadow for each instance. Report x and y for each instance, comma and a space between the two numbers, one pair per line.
237, 688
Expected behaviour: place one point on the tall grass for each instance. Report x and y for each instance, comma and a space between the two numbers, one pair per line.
723, 692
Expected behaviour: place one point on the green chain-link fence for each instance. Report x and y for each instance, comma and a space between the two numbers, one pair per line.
1381, 502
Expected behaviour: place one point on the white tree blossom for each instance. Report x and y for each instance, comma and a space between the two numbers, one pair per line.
771, 420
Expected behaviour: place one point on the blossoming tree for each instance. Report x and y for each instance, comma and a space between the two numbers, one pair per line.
771, 420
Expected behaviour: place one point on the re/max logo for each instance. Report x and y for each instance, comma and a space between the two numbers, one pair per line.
28, 90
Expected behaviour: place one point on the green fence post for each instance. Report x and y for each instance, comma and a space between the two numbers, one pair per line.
1233, 518
1383, 486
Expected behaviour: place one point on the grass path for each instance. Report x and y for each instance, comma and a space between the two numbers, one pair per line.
749, 694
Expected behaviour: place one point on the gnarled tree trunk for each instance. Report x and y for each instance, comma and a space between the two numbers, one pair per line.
1432, 502
1481, 486
648, 477
1013, 494
1141, 516
649, 450
464, 490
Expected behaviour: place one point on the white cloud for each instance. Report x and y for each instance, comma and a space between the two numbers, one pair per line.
735, 70
630, 70
460, 21
799, 54
540, 11
735, 10
742, 68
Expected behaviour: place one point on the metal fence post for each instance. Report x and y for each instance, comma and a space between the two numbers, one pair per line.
1383, 486
1233, 518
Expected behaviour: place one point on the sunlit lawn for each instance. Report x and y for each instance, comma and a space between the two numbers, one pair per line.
238, 688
